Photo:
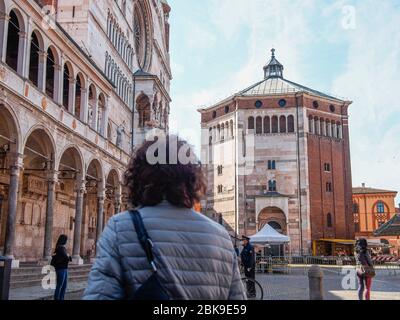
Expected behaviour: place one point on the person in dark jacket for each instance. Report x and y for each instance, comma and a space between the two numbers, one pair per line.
59, 261
365, 269
248, 259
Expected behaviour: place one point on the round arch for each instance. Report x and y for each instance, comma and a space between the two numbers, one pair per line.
95, 170
39, 149
273, 216
39, 37
10, 129
113, 177
70, 157
21, 18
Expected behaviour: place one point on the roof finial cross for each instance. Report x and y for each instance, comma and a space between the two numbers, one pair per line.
273, 52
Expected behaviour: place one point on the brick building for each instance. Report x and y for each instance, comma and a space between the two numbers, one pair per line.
278, 153
372, 208
81, 82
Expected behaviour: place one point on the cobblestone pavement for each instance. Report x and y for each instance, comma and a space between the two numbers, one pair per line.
74, 292
294, 286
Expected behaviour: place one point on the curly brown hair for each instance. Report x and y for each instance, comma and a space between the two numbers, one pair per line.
181, 184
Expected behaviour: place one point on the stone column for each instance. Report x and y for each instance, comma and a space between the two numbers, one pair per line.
58, 84
48, 233
117, 204
71, 95
103, 129
84, 105
100, 214
4, 19
15, 170
42, 71
95, 114
76, 258
22, 66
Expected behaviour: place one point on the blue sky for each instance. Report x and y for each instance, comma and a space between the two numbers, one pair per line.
347, 48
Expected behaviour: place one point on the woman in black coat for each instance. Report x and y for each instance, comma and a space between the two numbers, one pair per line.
365, 270
59, 261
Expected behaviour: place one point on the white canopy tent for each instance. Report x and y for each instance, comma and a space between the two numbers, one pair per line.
269, 236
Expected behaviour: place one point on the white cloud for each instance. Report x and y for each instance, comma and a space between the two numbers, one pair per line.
371, 79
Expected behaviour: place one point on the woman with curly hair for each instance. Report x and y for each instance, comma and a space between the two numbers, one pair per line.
162, 249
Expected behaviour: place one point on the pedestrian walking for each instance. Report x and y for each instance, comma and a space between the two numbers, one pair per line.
60, 260
248, 259
162, 249
365, 269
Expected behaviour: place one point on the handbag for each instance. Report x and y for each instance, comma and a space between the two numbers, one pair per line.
368, 271
152, 288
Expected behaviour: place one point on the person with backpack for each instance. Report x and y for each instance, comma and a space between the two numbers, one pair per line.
59, 261
365, 269
162, 249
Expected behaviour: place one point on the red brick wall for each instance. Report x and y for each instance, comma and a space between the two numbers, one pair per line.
336, 152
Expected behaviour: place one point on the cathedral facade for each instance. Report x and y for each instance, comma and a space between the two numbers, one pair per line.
81, 82
278, 153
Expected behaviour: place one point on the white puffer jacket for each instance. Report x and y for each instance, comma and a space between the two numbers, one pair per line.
194, 256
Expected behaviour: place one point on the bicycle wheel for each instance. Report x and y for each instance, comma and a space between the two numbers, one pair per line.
253, 289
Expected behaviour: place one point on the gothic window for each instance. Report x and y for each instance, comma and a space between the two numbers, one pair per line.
356, 208
329, 220
143, 108
274, 124
282, 124
290, 121
140, 35
124, 7
258, 125
250, 125
267, 125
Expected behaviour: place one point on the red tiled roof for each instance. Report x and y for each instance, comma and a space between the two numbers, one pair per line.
365, 190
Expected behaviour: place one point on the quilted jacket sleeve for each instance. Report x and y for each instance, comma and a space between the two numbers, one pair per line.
105, 279
236, 291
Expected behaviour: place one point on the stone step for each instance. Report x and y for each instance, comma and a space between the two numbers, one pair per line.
38, 281
38, 269
34, 276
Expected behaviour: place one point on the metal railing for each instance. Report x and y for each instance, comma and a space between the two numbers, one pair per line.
287, 264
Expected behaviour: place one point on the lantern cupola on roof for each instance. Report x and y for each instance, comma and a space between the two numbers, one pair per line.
274, 69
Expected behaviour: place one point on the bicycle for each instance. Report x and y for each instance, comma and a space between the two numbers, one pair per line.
248, 282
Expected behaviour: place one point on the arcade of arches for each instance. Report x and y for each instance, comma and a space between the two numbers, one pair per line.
47, 190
